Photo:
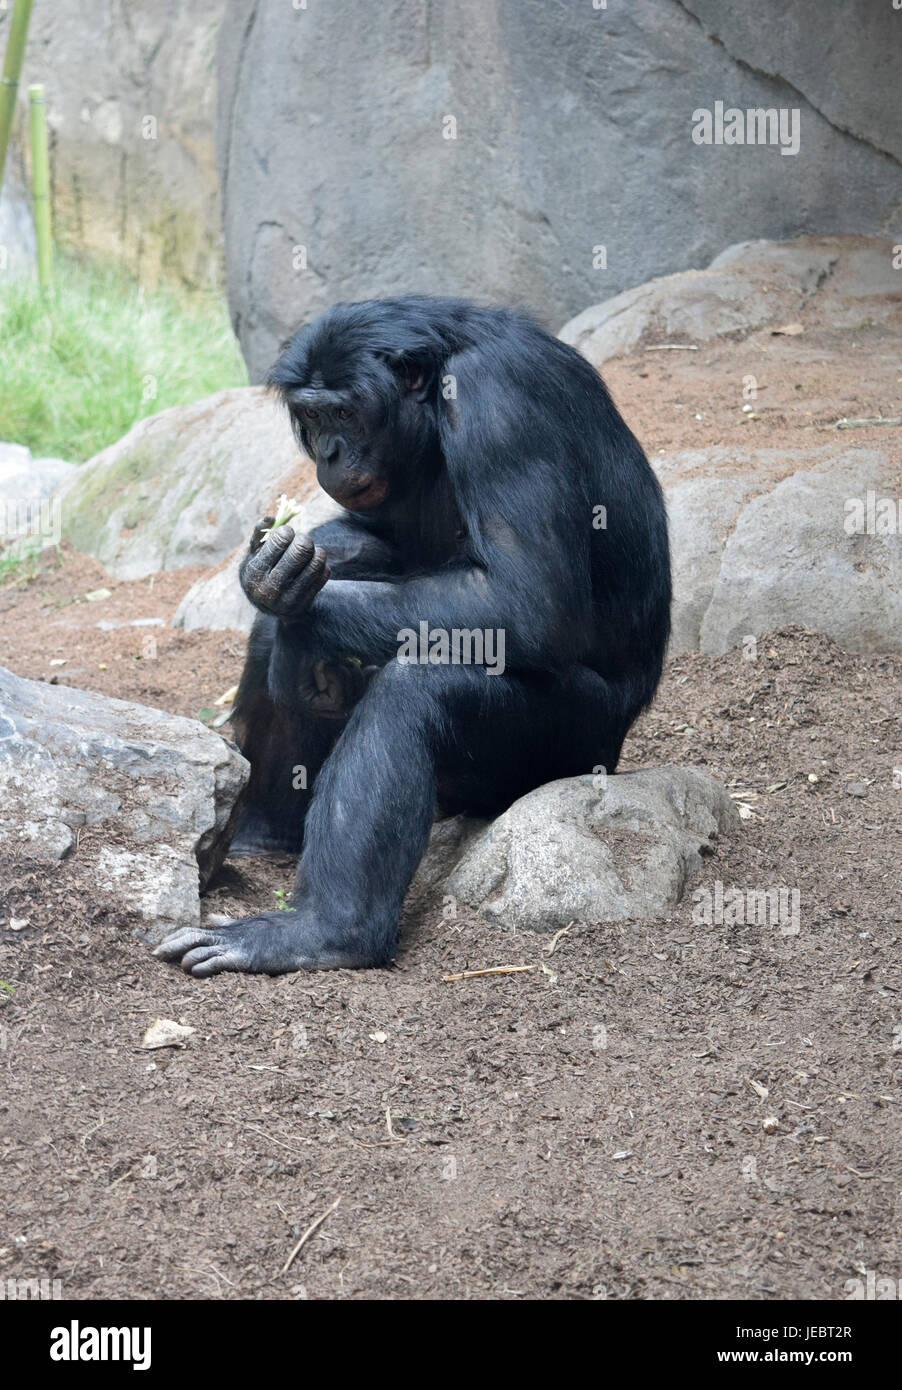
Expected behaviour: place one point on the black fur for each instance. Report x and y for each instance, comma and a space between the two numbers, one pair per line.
495, 443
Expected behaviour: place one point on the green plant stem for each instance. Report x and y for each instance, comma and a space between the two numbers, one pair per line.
12, 70
40, 183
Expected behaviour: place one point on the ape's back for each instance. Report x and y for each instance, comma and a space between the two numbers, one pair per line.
608, 513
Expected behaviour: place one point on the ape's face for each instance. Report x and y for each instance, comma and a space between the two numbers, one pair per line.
344, 438
368, 442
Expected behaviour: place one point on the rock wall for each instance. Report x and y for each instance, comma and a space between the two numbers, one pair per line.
17, 244
131, 95
527, 152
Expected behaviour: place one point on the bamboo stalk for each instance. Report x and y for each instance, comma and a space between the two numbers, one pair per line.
40, 183
12, 70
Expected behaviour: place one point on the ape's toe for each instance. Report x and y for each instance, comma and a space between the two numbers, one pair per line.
174, 946
230, 946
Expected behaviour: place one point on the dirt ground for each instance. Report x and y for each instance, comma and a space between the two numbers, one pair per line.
669, 1110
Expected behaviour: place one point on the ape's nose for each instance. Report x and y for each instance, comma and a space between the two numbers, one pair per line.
331, 451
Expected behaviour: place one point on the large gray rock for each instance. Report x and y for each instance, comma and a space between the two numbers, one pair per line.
185, 486
791, 559
131, 92
701, 511
761, 539
24, 482
217, 601
161, 790
573, 132
751, 285
589, 849
810, 47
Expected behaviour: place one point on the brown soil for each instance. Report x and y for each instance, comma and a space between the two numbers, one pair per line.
693, 400
591, 1128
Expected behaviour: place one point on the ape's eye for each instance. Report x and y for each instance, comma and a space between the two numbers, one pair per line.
309, 413
342, 413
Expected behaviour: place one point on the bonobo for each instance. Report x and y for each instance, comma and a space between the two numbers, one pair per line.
488, 486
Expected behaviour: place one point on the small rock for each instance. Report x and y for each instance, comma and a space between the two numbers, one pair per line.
165, 1032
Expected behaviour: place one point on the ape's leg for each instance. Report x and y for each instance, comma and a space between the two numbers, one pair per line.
287, 741
286, 749
373, 804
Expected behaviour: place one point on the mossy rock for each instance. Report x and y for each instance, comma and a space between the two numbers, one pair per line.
185, 486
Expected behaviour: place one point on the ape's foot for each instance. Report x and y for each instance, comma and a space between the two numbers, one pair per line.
272, 944
259, 834
247, 845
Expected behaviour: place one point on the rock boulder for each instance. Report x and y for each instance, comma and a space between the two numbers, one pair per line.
589, 849
161, 791
185, 486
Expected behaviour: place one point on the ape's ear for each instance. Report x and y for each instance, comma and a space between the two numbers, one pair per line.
413, 375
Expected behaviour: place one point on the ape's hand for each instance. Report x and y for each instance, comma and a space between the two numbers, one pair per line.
282, 572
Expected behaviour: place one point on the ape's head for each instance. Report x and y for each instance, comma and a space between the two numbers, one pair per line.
360, 386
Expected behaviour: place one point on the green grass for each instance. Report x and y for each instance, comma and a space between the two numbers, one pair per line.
17, 565
98, 352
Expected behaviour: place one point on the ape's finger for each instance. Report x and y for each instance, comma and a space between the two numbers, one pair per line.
259, 533
199, 955
305, 588
259, 565
215, 965
320, 675
278, 541
295, 559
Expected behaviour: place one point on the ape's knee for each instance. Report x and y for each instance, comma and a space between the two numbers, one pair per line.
413, 692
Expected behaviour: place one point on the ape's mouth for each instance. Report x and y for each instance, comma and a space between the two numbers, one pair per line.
368, 493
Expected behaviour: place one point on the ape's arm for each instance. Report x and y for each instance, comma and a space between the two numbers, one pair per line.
283, 571
527, 587
366, 618
355, 552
